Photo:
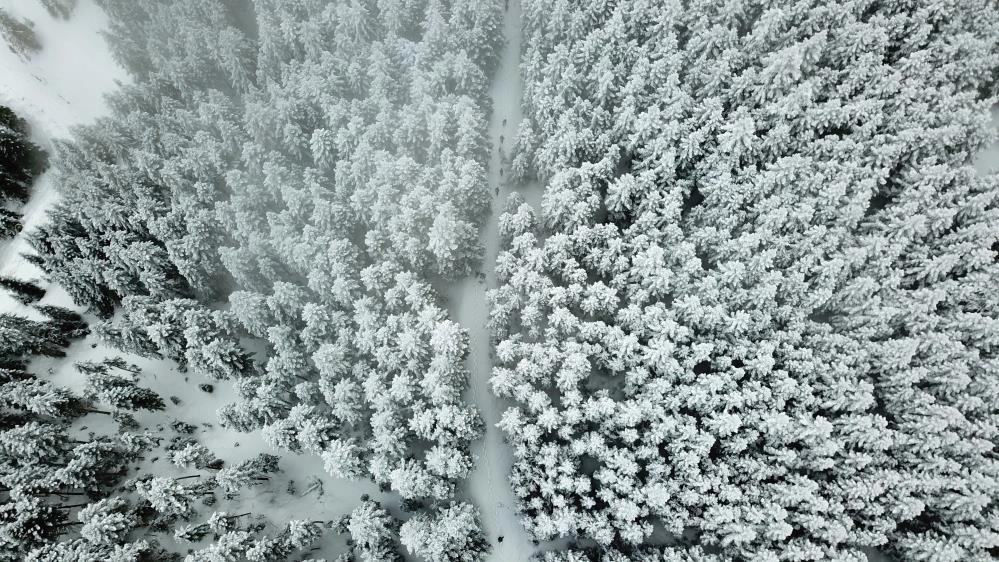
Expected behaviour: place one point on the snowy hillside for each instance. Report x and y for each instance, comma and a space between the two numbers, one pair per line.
55, 89
63, 84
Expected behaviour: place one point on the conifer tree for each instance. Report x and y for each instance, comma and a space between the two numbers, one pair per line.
21, 160
451, 534
373, 532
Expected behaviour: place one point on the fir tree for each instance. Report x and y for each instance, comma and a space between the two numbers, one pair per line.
24, 291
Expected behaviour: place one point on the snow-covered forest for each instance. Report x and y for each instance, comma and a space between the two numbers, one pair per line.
467, 280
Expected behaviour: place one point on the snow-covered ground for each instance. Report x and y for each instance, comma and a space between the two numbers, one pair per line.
488, 487
63, 84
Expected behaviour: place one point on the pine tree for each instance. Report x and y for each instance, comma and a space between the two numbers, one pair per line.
119, 390
21, 160
60, 8
65, 321
191, 533
168, 495
29, 523
24, 291
42, 398
34, 441
193, 455
373, 531
10, 223
107, 521
247, 473
212, 347
229, 546
451, 534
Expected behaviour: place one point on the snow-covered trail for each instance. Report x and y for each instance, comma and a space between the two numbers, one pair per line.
488, 487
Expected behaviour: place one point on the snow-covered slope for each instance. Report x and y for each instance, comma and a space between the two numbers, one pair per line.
63, 84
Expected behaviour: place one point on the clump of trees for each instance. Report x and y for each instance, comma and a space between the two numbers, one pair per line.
642, 554
757, 298
66, 495
46, 470
19, 35
319, 168
445, 533
235, 541
373, 534
448, 534
23, 338
114, 382
21, 160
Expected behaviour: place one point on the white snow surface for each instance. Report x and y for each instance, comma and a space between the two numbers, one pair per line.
63, 84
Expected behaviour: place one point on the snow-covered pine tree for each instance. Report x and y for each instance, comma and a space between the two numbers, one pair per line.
107, 521
60, 8
248, 473
118, 388
170, 496
26, 292
373, 532
449, 534
21, 160
65, 321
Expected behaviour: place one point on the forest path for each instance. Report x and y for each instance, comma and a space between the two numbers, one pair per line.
488, 486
